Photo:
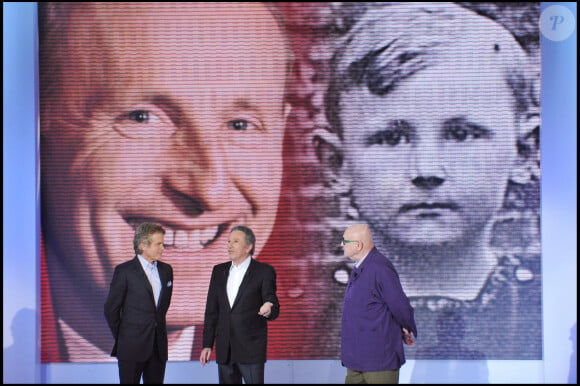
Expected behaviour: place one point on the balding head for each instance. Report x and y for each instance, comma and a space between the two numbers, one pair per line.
358, 241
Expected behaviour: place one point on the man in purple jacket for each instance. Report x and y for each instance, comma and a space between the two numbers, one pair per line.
377, 316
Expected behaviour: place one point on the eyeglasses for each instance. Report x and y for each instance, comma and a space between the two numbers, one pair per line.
348, 241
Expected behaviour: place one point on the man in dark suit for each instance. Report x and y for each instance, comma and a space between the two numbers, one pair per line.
241, 300
139, 297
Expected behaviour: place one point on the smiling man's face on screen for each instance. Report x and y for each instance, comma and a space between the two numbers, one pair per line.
165, 113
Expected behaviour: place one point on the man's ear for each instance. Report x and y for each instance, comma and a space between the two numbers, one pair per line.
528, 165
328, 152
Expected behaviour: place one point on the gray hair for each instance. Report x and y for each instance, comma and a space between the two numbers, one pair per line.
143, 233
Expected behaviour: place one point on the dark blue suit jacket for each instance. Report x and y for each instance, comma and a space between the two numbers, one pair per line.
240, 327
131, 313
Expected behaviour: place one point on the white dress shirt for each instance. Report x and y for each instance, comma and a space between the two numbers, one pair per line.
235, 278
153, 276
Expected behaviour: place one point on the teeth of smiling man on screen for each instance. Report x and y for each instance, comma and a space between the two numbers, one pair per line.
196, 238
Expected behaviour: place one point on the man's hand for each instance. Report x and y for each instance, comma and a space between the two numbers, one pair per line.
266, 309
204, 356
408, 337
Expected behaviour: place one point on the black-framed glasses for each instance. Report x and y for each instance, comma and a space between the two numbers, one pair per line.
348, 241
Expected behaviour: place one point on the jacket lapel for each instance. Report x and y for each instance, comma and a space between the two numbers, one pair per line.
222, 282
247, 278
141, 273
163, 279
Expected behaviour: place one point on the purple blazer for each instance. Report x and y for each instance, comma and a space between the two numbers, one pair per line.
374, 312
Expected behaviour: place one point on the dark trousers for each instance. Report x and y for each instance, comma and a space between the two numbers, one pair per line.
152, 370
234, 372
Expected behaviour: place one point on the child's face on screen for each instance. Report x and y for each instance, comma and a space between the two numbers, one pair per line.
430, 161
174, 115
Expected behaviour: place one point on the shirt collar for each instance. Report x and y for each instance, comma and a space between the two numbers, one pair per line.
245, 264
145, 263
358, 263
